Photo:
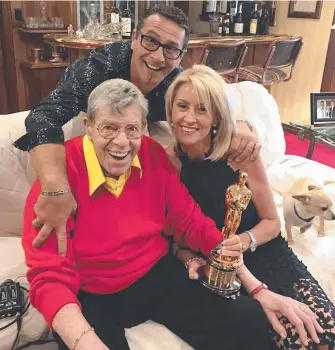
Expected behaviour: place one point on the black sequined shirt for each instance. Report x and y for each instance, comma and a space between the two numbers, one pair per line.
44, 123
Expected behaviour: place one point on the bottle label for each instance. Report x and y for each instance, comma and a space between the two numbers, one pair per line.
115, 18
253, 26
220, 30
126, 26
238, 28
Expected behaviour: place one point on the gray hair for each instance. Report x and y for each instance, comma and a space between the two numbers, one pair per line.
116, 94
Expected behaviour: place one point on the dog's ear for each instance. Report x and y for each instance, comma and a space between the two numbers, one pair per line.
313, 187
302, 197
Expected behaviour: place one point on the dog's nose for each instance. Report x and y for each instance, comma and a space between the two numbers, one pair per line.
333, 216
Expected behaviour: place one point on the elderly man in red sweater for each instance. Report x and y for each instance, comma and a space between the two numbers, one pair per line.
117, 271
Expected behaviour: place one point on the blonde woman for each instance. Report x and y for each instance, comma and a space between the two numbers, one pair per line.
198, 113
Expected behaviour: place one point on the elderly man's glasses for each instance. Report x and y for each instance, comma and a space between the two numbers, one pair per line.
111, 130
151, 44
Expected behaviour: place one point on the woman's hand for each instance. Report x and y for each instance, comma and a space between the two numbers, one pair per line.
52, 214
299, 314
233, 244
232, 247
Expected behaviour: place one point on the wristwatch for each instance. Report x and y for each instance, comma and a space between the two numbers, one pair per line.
253, 244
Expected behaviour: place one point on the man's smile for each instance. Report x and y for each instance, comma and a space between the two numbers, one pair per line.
153, 67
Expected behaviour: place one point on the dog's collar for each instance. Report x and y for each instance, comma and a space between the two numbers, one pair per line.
296, 213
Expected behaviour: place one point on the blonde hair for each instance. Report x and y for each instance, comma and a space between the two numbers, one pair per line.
210, 90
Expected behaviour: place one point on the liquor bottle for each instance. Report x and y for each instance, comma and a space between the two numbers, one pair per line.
238, 26
115, 15
221, 26
126, 24
263, 26
233, 8
253, 24
226, 24
272, 14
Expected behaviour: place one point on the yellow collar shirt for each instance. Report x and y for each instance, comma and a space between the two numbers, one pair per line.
96, 177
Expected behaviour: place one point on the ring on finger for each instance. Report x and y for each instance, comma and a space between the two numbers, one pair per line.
303, 308
36, 224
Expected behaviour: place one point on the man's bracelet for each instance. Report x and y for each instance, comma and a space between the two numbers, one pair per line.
55, 193
80, 336
189, 261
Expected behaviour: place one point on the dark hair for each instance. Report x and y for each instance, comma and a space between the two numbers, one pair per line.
171, 13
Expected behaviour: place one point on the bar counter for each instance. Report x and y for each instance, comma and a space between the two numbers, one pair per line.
257, 45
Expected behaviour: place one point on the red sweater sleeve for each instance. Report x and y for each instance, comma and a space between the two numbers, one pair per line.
185, 219
54, 281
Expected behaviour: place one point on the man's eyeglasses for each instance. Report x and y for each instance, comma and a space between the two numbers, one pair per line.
111, 130
151, 44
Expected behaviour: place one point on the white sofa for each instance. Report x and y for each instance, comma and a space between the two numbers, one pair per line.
16, 175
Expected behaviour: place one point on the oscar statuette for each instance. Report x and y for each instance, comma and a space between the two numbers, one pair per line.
219, 273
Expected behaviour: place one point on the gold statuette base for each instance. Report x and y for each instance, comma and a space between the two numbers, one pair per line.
220, 277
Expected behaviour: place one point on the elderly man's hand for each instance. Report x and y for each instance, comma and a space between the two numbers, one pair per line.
52, 214
244, 145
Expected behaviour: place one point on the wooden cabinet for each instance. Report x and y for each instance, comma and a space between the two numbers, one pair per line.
3, 90
40, 79
328, 81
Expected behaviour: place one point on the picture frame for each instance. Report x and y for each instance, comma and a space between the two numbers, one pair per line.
305, 9
322, 108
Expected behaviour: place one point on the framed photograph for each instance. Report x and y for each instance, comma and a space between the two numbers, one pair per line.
322, 108
305, 9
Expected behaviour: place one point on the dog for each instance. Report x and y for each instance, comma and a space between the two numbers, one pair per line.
302, 203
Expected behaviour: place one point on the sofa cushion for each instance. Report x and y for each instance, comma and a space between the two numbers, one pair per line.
16, 170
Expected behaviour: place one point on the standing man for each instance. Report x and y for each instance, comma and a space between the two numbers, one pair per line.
150, 61
321, 111
332, 109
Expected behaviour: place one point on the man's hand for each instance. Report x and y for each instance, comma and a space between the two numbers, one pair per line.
193, 268
299, 314
243, 145
52, 214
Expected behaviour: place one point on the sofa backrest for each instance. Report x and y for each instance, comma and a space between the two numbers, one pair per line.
16, 171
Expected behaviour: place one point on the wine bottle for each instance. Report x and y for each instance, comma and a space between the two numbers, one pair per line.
126, 24
221, 28
263, 26
115, 15
226, 24
253, 24
238, 26
233, 8
272, 14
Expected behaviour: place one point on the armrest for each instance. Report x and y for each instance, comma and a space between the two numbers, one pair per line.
302, 134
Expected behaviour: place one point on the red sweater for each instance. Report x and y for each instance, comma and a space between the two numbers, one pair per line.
115, 241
